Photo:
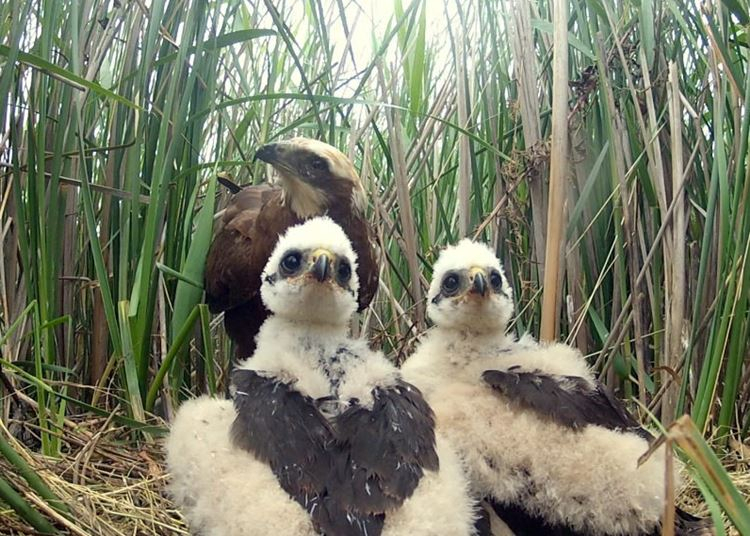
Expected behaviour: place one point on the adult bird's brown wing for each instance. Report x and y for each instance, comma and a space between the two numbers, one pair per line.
368, 268
227, 269
240, 249
360, 234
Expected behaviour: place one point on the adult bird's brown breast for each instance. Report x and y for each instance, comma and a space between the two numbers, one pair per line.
315, 179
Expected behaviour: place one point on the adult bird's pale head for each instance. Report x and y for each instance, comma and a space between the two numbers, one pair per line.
469, 291
312, 274
313, 174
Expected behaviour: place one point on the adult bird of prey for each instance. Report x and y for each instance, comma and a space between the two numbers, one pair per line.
314, 179
544, 443
324, 437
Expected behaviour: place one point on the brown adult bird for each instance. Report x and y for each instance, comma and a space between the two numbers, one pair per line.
314, 179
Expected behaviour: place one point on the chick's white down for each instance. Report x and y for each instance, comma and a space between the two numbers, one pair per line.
588, 480
224, 490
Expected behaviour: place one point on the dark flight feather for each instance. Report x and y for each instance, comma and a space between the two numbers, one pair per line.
385, 449
346, 473
522, 523
283, 428
228, 184
482, 524
567, 400
689, 525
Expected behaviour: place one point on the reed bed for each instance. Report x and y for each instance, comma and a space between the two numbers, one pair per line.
116, 118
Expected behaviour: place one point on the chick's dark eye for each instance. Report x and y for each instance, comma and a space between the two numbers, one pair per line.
291, 263
450, 284
496, 280
344, 271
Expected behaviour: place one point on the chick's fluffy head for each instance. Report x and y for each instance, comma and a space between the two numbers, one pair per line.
299, 296
460, 305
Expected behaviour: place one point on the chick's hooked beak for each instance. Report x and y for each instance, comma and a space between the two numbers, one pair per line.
321, 267
478, 281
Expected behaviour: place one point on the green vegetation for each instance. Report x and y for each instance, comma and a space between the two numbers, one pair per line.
115, 118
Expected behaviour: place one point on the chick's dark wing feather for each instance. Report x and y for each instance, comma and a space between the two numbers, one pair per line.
523, 523
387, 449
570, 401
283, 428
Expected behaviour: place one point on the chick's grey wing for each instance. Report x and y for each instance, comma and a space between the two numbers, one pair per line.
567, 400
385, 449
283, 428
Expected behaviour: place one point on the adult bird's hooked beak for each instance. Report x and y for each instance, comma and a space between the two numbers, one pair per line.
320, 269
269, 153
479, 281
283, 157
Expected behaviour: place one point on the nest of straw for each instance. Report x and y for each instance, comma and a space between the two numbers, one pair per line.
112, 484
115, 484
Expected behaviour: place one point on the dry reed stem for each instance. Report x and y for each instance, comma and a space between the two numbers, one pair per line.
406, 214
526, 69
676, 309
558, 173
